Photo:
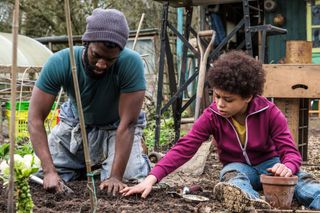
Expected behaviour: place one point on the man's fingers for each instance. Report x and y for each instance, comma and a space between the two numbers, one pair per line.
109, 188
115, 189
50, 189
102, 186
53, 188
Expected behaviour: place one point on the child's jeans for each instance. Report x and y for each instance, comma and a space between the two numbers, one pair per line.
246, 177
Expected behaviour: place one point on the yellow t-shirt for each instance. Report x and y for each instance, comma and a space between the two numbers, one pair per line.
241, 130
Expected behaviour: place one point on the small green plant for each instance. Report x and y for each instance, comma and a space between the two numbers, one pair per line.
23, 168
22, 148
4, 151
167, 132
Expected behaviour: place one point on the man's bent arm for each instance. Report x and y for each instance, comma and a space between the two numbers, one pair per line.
40, 106
130, 105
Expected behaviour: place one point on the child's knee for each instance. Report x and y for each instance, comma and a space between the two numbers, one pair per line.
229, 175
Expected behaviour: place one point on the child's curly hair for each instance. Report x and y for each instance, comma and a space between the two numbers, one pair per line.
237, 73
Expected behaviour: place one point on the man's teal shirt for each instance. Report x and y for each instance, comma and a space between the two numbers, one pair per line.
100, 97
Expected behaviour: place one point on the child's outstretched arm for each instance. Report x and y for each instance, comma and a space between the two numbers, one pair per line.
143, 188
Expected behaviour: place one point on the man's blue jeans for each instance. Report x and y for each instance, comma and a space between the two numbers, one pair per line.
246, 177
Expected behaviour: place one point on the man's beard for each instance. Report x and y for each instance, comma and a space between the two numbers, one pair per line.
89, 69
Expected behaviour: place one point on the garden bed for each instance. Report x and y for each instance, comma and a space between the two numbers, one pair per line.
161, 198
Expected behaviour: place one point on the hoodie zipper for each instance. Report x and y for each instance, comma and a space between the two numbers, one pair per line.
243, 149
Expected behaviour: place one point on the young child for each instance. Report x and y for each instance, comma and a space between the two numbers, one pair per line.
252, 138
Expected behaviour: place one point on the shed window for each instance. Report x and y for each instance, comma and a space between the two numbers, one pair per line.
313, 28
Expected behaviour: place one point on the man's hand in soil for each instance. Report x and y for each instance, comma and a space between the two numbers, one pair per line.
112, 185
52, 182
281, 170
143, 188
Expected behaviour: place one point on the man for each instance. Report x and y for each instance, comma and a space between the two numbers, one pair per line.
112, 88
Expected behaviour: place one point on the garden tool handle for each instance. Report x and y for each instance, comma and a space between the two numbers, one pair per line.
203, 66
206, 33
38, 180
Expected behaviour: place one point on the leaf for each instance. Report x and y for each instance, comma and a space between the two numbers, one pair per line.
4, 150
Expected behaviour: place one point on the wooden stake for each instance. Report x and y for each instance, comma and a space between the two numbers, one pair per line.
79, 105
138, 31
12, 133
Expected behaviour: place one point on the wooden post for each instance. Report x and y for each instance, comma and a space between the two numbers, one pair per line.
12, 132
138, 31
93, 200
297, 52
290, 108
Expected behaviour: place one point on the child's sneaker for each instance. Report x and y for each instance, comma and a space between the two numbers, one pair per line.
236, 200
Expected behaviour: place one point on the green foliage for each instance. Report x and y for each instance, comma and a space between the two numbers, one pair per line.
4, 151
47, 18
25, 163
22, 149
133, 10
23, 168
5, 16
167, 132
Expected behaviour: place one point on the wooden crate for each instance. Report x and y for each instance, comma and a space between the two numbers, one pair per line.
292, 80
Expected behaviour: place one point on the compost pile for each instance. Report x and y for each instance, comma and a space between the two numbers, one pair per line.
161, 198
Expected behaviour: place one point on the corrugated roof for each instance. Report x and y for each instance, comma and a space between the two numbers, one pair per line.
30, 51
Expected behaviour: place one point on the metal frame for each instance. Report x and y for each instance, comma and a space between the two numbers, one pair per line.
176, 92
165, 51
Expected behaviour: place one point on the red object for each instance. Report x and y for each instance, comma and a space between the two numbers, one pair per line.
58, 117
191, 189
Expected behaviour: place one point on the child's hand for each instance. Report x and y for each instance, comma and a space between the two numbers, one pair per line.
281, 170
143, 188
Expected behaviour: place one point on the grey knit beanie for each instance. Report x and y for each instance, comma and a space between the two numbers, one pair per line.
107, 25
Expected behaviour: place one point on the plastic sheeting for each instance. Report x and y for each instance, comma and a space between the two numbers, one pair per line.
30, 52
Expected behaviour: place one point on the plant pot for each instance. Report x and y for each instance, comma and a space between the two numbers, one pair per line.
278, 191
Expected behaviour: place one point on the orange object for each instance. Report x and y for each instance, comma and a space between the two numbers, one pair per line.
278, 190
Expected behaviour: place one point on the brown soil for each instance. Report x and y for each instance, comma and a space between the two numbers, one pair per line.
161, 198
